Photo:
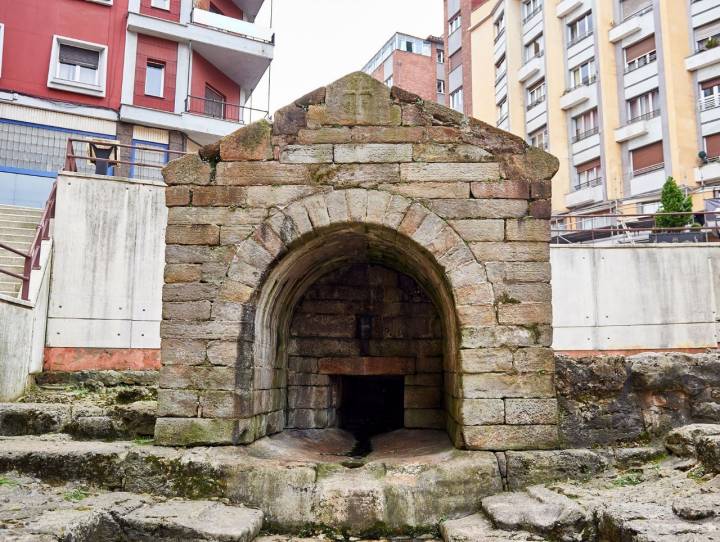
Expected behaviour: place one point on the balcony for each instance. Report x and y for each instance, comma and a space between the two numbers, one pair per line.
648, 179
585, 193
708, 173
566, 7
531, 67
530, 16
241, 50
454, 42
702, 59
630, 25
584, 135
577, 95
635, 127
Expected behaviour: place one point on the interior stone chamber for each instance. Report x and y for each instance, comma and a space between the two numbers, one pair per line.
368, 261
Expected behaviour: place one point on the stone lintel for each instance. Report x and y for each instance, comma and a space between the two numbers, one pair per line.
367, 366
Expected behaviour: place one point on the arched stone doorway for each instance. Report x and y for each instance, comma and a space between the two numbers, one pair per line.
358, 174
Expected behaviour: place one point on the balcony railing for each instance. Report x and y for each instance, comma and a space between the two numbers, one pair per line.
223, 110
529, 59
579, 136
638, 12
587, 184
648, 169
644, 116
538, 101
232, 25
498, 36
584, 83
710, 102
578, 39
532, 14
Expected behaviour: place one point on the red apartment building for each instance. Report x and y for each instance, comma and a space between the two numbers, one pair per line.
413, 63
166, 74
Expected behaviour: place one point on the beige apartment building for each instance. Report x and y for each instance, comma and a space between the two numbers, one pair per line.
624, 92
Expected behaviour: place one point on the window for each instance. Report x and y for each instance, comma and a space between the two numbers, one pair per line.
214, 103
441, 86
212, 8
639, 54
710, 94
648, 208
530, 8
409, 46
389, 81
536, 94
499, 24
160, 4
585, 125
630, 8
584, 74
456, 100
440, 56
580, 28
588, 174
77, 66
454, 24
502, 110
500, 68
646, 159
645, 106
534, 48
154, 79
707, 36
539, 138
712, 145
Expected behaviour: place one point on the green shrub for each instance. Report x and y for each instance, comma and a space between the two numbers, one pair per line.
674, 201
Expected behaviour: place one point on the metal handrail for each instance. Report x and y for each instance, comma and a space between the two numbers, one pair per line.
532, 14
587, 184
578, 39
644, 116
648, 169
709, 102
222, 110
540, 100
71, 157
585, 83
32, 257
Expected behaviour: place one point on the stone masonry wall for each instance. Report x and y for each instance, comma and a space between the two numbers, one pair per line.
460, 206
404, 323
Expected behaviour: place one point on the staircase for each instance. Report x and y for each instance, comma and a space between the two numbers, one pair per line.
18, 226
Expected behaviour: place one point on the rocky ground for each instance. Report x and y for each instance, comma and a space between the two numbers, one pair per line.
674, 496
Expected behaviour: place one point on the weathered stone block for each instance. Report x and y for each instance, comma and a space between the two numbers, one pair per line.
358, 100
510, 437
429, 190
480, 230
534, 359
189, 169
421, 397
261, 173
225, 404
205, 234
501, 272
525, 313
177, 196
486, 360
503, 189
178, 272
252, 142
192, 291
308, 397
372, 153
477, 315
516, 251
527, 229
386, 134
195, 431
438, 152
424, 418
187, 310
209, 196
324, 135
498, 208
197, 377
183, 351
480, 411
177, 403
449, 171
531, 411
307, 154
494, 385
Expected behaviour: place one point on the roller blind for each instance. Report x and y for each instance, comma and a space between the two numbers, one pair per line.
587, 166
629, 7
707, 30
710, 83
712, 145
78, 56
650, 155
640, 48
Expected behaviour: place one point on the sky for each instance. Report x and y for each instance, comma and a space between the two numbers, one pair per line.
319, 41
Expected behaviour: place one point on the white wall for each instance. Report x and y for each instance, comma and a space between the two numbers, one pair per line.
640, 296
108, 264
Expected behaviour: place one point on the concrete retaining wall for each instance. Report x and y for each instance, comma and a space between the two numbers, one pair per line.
636, 297
108, 266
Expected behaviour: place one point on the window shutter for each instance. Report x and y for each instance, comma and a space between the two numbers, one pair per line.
710, 83
650, 155
712, 145
705, 31
88, 58
587, 166
629, 7
642, 47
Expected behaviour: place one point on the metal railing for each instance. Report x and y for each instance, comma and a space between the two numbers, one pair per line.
648, 169
584, 83
499, 35
645, 116
587, 184
540, 100
581, 228
223, 110
529, 59
106, 166
579, 136
579, 38
32, 256
638, 12
709, 102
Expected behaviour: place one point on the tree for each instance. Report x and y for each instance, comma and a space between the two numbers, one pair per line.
674, 201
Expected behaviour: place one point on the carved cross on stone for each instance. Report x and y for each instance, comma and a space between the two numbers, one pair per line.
360, 100
357, 102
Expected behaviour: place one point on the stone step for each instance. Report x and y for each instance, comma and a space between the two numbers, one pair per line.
13, 210
18, 221
135, 419
41, 512
97, 378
